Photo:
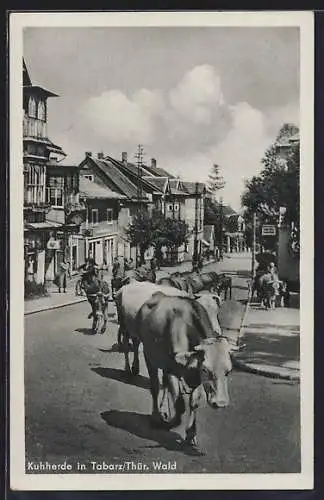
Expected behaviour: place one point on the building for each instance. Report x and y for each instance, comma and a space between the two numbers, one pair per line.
148, 187
98, 236
50, 188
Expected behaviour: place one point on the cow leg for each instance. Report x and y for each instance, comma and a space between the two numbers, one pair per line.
171, 384
105, 318
191, 428
126, 353
156, 417
135, 366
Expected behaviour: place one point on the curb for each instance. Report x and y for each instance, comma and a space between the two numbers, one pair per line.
249, 368
270, 373
55, 306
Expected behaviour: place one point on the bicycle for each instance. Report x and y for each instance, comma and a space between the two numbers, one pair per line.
79, 287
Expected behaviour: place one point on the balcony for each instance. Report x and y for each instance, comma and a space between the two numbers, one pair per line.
34, 128
34, 197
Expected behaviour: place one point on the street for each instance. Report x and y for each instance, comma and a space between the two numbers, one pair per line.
81, 408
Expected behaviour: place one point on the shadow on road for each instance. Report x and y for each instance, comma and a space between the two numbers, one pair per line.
140, 425
120, 376
85, 331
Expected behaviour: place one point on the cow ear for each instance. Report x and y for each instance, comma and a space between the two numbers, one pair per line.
218, 300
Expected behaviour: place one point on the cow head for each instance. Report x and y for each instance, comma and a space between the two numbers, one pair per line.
212, 358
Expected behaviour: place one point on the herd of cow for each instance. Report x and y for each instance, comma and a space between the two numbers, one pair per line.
176, 321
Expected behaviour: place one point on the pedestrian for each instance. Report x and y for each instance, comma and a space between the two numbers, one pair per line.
118, 272
129, 268
63, 272
153, 268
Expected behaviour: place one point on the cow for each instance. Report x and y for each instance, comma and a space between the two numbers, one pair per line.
178, 338
178, 281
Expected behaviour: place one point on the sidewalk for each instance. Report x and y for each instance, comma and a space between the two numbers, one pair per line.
270, 341
55, 300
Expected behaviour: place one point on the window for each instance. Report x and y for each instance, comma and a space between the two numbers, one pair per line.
89, 177
170, 208
109, 215
41, 110
55, 191
32, 107
176, 207
94, 216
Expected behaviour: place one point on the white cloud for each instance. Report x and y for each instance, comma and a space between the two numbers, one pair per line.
187, 129
117, 118
196, 94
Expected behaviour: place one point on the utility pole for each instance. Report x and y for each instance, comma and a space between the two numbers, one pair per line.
139, 161
195, 252
221, 216
253, 243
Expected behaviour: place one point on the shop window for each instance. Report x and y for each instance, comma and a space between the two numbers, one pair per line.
110, 215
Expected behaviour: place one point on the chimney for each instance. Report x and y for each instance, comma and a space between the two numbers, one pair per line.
88, 154
153, 162
100, 155
124, 157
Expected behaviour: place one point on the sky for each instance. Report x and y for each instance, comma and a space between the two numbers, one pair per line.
191, 96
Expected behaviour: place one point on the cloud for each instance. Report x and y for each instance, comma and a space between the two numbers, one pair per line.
196, 94
117, 118
187, 128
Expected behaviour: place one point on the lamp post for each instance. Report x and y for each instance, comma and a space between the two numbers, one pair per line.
253, 244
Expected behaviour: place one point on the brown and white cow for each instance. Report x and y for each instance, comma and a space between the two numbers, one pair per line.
179, 339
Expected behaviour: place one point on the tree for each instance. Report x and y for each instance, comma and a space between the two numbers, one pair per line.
278, 183
216, 180
155, 230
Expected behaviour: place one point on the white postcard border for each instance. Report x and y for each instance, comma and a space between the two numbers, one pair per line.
19, 480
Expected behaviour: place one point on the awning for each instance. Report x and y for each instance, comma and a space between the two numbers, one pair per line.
204, 242
42, 225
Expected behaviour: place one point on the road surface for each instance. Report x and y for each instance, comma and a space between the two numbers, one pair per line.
81, 408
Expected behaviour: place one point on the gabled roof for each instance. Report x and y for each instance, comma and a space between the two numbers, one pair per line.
131, 170
194, 187
113, 173
93, 190
26, 77
157, 172
159, 182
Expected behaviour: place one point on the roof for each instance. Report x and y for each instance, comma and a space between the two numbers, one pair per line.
194, 187
26, 77
158, 172
42, 225
208, 232
212, 212
132, 170
55, 148
40, 90
158, 182
92, 190
117, 177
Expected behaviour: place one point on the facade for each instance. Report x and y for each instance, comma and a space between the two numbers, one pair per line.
99, 230
147, 188
49, 188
